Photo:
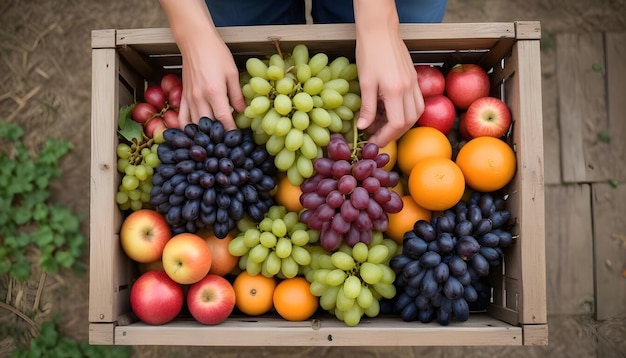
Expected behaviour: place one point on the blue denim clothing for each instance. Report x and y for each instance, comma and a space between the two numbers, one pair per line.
281, 12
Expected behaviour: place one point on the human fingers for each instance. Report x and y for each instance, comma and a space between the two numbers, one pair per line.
235, 95
394, 108
184, 117
369, 101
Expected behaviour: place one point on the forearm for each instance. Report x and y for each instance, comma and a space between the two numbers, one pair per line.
373, 16
190, 21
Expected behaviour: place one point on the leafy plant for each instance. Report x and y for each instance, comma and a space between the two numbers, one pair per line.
27, 218
50, 343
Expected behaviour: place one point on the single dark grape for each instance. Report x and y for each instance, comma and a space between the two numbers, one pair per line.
197, 153
204, 125
452, 288
425, 230
202, 139
221, 150
429, 259
216, 132
194, 191
191, 210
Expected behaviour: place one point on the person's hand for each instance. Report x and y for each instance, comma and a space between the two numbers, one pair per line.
391, 99
210, 76
210, 83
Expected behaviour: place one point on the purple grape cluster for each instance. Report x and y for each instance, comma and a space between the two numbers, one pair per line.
349, 196
211, 177
441, 271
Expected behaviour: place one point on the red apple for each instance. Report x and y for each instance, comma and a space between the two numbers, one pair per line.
211, 300
465, 83
430, 80
439, 113
488, 116
155, 298
144, 234
154, 127
187, 258
463, 126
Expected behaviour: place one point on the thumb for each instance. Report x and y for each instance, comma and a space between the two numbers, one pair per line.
367, 113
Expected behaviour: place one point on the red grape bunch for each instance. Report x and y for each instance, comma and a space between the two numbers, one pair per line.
350, 195
160, 107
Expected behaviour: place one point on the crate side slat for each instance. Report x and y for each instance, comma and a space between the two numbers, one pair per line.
103, 211
457, 33
479, 330
528, 137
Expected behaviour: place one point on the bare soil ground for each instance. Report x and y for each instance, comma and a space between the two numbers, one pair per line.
45, 86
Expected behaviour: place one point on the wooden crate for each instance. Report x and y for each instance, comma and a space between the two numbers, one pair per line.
125, 61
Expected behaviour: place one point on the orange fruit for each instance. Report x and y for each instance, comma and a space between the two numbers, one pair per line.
488, 163
403, 221
223, 262
392, 150
288, 195
293, 299
419, 143
436, 183
253, 293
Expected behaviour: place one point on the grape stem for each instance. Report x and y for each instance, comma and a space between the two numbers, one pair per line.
277, 45
355, 137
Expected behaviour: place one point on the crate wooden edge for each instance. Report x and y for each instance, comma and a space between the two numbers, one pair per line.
273, 331
102, 40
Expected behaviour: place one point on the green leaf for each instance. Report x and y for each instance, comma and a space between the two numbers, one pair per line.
596, 67
44, 236
22, 215
11, 131
48, 334
53, 150
21, 270
613, 183
5, 265
125, 115
64, 259
41, 212
49, 264
23, 239
132, 130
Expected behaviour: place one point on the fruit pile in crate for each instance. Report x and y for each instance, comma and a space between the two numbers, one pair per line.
295, 213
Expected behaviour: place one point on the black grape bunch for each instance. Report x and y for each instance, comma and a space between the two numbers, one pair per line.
211, 177
441, 272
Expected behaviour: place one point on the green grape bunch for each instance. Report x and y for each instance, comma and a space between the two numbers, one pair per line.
276, 247
295, 102
136, 161
351, 281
